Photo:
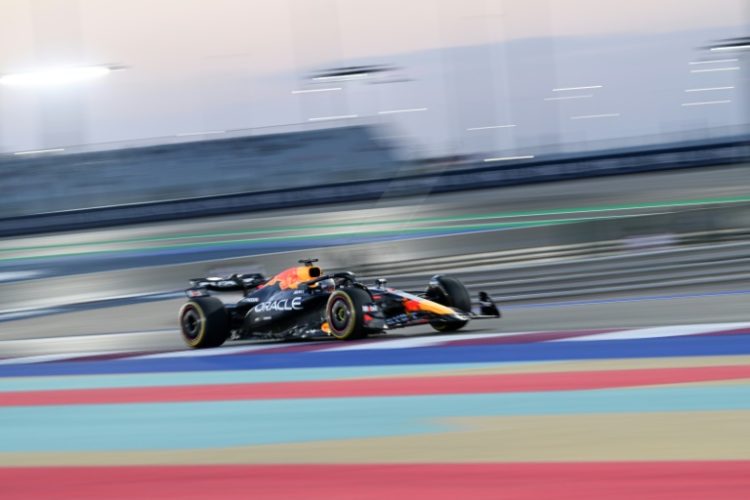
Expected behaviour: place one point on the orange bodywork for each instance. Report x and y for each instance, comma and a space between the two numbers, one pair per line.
415, 305
293, 277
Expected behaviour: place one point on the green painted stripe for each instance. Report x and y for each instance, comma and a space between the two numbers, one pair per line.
407, 222
449, 229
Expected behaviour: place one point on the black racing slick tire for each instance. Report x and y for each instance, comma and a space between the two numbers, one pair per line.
345, 313
452, 293
204, 322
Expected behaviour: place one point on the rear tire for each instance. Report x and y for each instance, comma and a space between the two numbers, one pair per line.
452, 293
204, 322
344, 313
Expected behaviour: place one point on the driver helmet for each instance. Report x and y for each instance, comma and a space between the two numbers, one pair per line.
326, 285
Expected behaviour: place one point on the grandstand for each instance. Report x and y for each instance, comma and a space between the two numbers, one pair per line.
53, 182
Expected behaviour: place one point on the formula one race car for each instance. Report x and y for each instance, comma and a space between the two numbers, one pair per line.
302, 302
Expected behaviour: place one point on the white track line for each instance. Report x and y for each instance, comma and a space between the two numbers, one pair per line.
658, 332
218, 351
385, 343
44, 358
10, 316
44, 306
68, 339
426, 341
19, 275
377, 344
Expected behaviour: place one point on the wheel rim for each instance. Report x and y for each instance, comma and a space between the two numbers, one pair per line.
340, 314
191, 323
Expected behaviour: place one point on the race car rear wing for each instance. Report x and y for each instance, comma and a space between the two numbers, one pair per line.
233, 283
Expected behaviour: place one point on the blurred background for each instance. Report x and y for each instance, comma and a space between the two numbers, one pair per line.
196, 98
584, 162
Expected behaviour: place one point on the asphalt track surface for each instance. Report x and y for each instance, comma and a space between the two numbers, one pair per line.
628, 395
133, 324
151, 327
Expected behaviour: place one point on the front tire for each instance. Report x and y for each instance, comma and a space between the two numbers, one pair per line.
204, 322
344, 313
452, 293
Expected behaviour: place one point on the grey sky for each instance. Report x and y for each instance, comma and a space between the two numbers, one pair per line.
225, 64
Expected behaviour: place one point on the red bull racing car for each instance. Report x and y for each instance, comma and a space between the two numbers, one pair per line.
303, 302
